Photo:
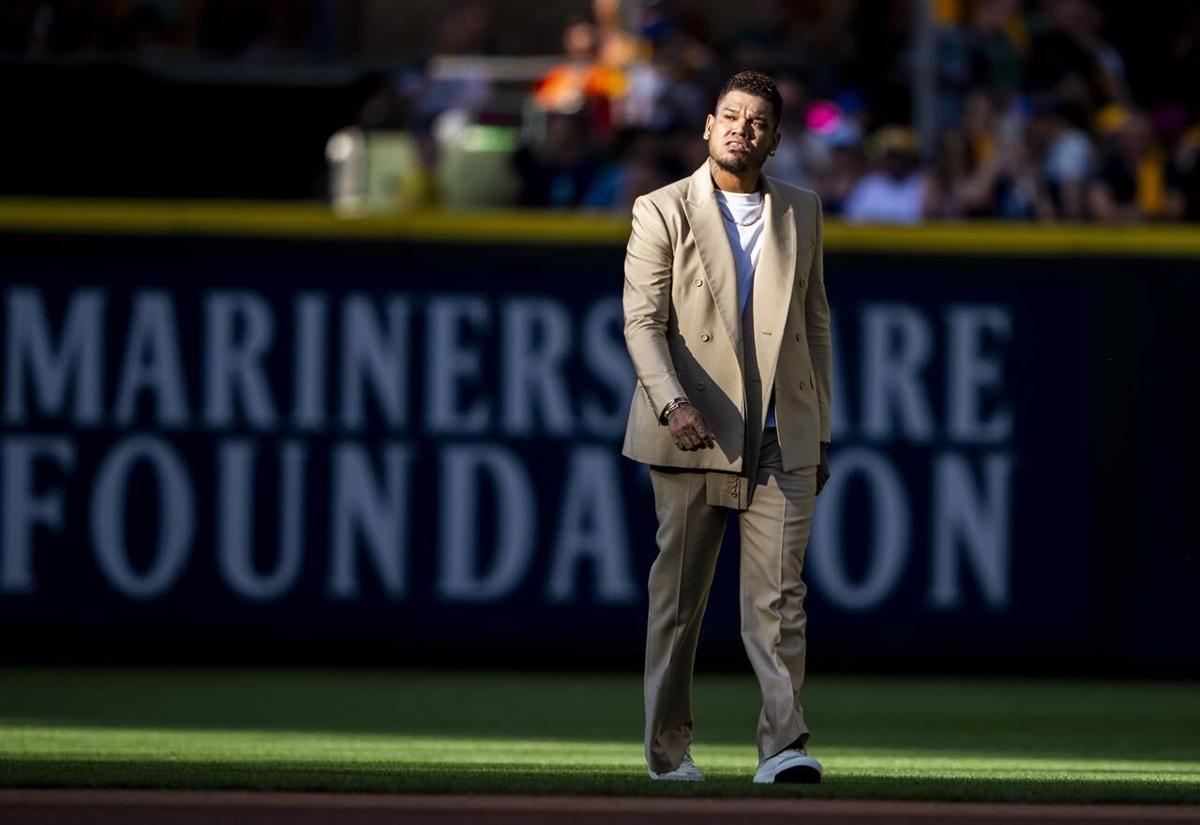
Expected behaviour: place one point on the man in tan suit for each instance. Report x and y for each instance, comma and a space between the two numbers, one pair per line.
727, 324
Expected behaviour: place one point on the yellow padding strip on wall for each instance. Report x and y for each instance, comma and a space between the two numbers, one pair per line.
270, 219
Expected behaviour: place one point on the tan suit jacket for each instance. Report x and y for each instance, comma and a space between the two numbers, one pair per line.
684, 330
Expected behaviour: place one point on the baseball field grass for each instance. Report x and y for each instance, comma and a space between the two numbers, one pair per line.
538, 733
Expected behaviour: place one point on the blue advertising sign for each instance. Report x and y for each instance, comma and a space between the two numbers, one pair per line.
409, 452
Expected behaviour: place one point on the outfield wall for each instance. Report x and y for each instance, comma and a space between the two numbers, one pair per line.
239, 431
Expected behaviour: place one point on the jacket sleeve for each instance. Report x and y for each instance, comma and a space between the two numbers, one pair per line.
647, 305
816, 321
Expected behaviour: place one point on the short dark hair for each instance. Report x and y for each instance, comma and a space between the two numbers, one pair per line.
758, 84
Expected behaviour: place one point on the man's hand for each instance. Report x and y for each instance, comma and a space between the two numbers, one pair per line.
688, 429
823, 468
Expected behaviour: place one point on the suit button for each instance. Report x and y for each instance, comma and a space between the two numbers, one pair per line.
704, 336
699, 282
797, 336
700, 385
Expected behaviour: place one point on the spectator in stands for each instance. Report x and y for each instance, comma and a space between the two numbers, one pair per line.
465, 31
802, 154
640, 72
1131, 183
899, 190
773, 36
1020, 192
1108, 57
1065, 155
952, 65
1185, 171
984, 53
837, 180
617, 46
642, 162
951, 171
833, 163
671, 89
1069, 61
998, 42
583, 82
558, 171
985, 168
671, 84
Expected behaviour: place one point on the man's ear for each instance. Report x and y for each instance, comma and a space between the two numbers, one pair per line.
775, 138
708, 124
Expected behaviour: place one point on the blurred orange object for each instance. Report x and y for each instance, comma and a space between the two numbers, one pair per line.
564, 88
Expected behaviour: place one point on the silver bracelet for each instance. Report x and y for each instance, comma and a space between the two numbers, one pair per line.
671, 407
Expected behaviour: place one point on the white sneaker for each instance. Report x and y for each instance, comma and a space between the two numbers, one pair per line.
791, 765
686, 772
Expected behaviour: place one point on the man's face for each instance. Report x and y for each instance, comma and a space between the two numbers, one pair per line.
741, 134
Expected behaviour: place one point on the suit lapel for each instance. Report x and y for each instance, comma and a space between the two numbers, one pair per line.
716, 255
773, 280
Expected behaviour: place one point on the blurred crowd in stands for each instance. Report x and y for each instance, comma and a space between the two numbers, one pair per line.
1035, 118
1038, 113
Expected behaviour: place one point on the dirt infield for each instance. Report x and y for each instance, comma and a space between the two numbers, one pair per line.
125, 807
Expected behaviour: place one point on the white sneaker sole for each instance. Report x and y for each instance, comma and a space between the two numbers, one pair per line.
677, 776
798, 769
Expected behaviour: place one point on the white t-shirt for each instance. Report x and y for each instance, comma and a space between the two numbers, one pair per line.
744, 224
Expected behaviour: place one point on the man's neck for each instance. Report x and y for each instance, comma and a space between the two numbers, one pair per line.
727, 181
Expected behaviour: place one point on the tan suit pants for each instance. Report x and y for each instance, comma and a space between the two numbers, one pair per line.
774, 534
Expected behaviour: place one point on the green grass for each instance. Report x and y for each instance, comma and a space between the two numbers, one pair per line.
961, 739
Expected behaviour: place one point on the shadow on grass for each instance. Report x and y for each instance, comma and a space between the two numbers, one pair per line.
1002, 717
488, 779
